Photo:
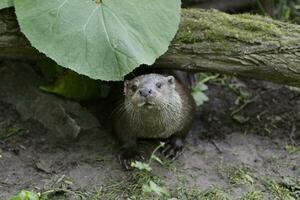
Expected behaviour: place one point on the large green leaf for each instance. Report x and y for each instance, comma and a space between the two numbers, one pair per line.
6, 3
101, 40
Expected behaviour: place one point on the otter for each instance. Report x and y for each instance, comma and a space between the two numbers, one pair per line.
154, 106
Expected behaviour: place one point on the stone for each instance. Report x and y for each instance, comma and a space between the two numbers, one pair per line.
19, 86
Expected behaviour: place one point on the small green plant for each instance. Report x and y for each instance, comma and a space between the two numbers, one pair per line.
240, 176
198, 91
139, 184
253, 195
291, 149
212, 193
242, 100
149, 186
26, 195
58, 188
11, 131
280, 9
292, 185
287, 188
153, 187
280, 192
243, 97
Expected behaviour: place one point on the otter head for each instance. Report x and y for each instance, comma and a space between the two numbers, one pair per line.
151, 91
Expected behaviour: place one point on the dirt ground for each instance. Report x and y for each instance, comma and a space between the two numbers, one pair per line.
245, 144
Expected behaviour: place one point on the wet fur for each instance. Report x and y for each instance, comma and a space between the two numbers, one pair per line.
174, 118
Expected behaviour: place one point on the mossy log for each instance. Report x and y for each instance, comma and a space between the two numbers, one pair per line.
207, 40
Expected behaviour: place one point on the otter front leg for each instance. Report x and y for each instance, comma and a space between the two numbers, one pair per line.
129, 154
174, 147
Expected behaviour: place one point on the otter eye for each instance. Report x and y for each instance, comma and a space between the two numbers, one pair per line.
158, 85
133, 88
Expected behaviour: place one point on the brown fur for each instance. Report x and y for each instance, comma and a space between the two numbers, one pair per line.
153, 123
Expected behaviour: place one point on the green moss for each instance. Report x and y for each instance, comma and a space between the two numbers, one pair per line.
222, 30
187, 34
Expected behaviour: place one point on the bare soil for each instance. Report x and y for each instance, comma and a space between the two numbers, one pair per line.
255, 151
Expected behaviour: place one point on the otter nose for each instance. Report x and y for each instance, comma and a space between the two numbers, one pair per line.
145, 92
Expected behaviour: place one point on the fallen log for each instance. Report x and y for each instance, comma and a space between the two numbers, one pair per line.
207, 40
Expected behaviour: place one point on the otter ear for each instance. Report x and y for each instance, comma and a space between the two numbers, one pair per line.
171, 79
126, 85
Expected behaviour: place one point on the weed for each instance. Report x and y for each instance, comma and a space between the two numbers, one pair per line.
291, 149
212, 193
26, 195
141, 183
215, 193
243, 97
11, 131
253, 195
286, 189
198, 91
239, 176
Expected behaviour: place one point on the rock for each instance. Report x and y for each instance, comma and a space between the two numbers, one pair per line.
44, 166
19, 86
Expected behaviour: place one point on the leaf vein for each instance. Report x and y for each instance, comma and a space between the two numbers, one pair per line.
108, 39
85, 37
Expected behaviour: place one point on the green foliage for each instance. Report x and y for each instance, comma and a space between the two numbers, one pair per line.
286, 188
11, 131
280, 191
253, 195
26, 195
144, 169
243, 97
292, 185
198, 91
153, 187
282, 10
139, 184
50, 70
291, 149
78, 87
104, 40
212, 193
141, 166
215, 193
240, 176
70, 84
5, 3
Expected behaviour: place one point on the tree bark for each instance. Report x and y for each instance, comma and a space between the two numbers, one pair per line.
247, 45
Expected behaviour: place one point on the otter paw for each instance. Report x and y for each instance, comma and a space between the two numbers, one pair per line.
126, 158
173, 149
